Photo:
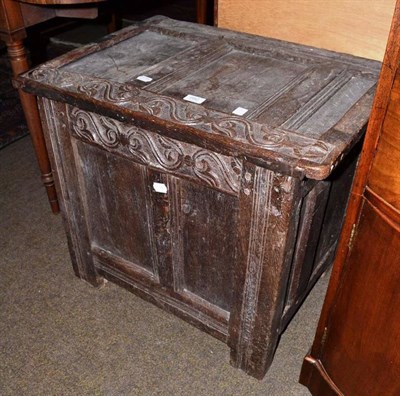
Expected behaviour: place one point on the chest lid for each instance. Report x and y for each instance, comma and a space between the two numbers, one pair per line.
294, 108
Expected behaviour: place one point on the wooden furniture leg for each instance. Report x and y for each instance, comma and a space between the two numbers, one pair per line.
15, 17
19, 64
202, 11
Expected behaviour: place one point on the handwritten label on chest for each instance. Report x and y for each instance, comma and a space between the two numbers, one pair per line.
194, 99
160, 188
144, 78
240, 111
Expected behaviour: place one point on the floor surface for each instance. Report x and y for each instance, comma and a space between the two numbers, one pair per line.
60, 336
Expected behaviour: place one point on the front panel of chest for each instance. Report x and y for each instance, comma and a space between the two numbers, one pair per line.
160, 215
225, 244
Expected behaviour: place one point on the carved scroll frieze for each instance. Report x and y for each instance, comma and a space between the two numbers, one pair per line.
281, 142
154, 149
95, 129
216, 170
114, 93
49, 75
240, 129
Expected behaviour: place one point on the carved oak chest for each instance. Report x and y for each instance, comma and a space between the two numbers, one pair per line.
205, 170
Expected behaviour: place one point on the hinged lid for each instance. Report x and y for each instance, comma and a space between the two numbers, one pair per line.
294, 108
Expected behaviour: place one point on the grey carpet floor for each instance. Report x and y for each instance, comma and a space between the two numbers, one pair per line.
60, 336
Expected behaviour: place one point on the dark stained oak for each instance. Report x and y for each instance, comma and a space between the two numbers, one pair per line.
355, 350
223, 212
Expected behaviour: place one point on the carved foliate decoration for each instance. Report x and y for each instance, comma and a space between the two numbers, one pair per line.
216, 170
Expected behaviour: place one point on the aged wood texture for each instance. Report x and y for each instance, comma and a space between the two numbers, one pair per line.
209, 251
268, 217
321, 89
338, 25
205, 170
313, 211
158, 152
64, 159
115, 187
355, 348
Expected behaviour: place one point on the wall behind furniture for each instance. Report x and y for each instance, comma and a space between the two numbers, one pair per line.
358, 27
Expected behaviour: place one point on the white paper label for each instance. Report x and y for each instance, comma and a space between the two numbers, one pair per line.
240, 111
144, 78
194, 99
160, 188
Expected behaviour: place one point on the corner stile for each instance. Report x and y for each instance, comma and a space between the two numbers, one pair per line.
269, 210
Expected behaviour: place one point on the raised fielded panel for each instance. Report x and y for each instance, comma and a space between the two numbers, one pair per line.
113, 185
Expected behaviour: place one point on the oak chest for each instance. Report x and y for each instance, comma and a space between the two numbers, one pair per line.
205, 170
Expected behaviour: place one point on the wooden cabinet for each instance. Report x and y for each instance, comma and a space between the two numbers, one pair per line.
356, 348
205, 170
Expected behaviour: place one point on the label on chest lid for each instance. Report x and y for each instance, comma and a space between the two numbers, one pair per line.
194, 99
160, 187
144, 78
240, 111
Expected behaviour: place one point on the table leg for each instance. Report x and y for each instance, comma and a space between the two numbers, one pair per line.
19, 64
202, 11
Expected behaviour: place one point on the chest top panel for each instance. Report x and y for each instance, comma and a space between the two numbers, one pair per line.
292, 107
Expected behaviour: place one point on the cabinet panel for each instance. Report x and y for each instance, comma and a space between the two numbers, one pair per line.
384, 178
112, 186
209, 221
368, 306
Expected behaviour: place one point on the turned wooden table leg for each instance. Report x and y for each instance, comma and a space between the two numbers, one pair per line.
202, 11
19, 64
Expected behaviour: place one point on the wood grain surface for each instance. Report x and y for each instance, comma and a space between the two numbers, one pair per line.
305, 107
384, 178
358, 27
360, 352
